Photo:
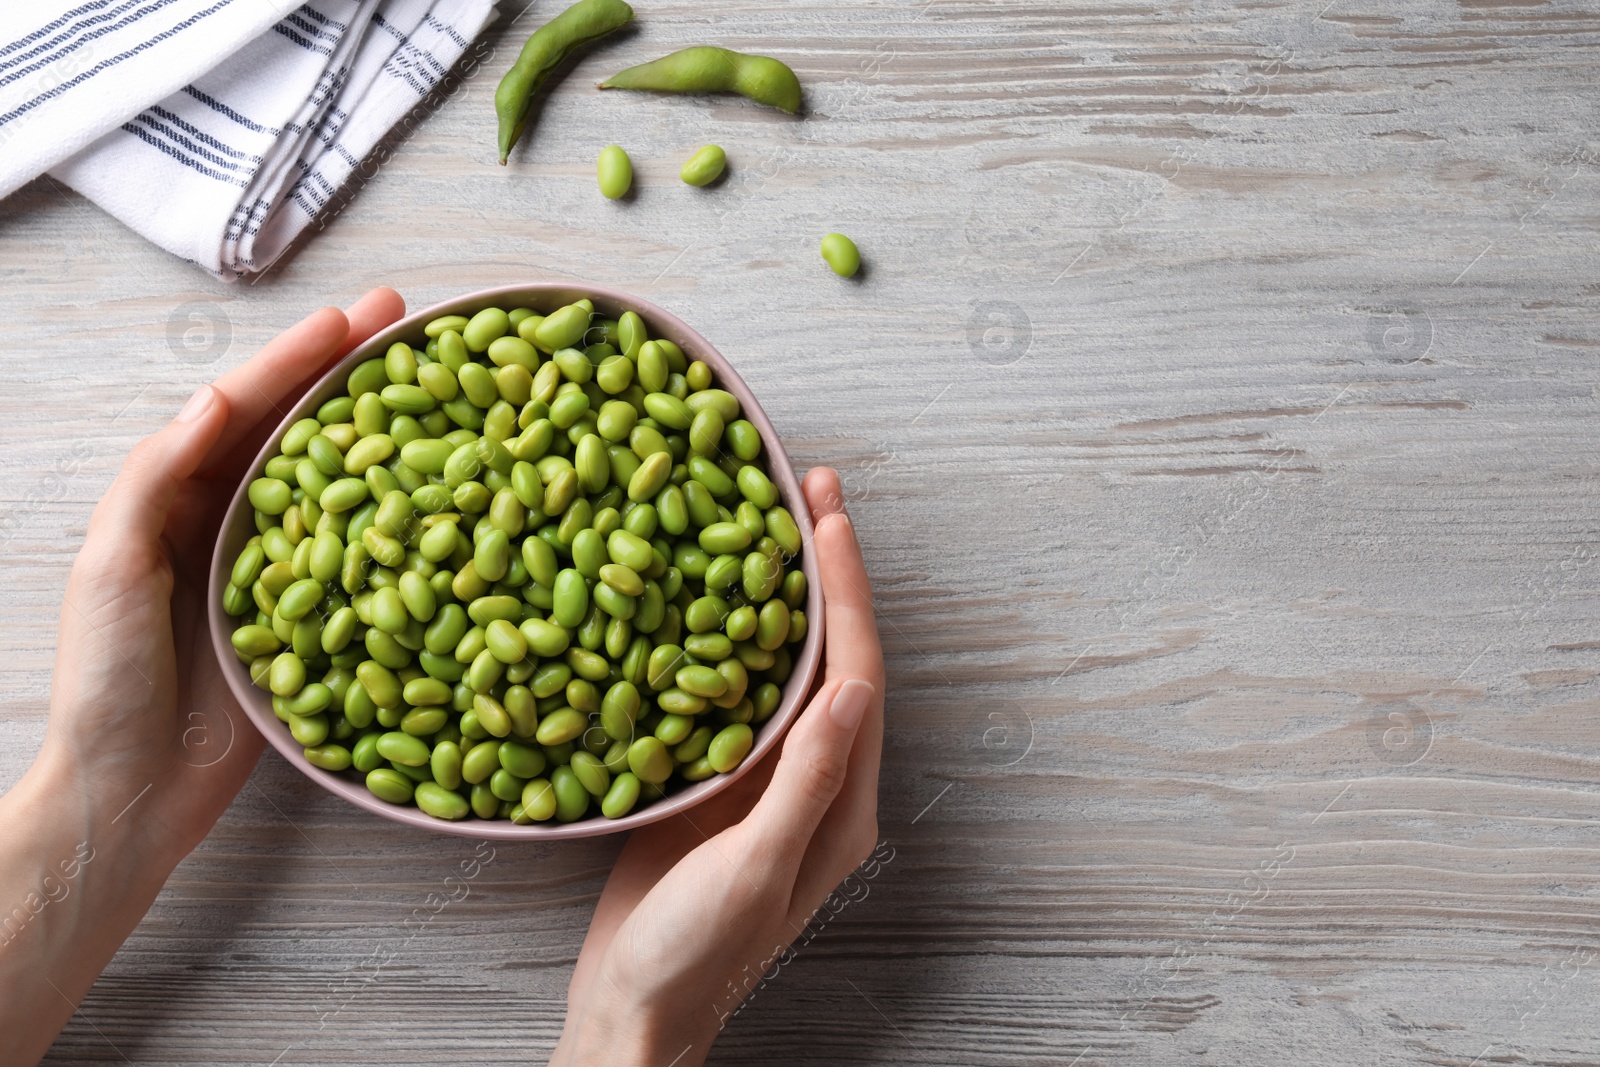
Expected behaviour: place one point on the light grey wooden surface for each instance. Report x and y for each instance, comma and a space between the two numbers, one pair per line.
1218, 409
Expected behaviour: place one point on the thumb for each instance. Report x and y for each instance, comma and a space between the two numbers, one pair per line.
816, 756
133, 512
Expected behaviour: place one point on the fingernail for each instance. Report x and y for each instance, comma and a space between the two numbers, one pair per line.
850, 703
198, 404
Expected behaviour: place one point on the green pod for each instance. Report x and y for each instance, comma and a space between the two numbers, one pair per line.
583, 22
707, 69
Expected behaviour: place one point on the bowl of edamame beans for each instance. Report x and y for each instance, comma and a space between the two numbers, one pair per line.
531, 563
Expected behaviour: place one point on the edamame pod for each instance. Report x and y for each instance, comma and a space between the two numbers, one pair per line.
584, 21
707, 69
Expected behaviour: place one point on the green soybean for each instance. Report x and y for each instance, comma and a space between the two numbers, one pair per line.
706, 69
615, 172
841, 253
705, 166
583, 22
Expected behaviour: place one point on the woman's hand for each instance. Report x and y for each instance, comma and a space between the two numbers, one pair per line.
145, 746
699, 902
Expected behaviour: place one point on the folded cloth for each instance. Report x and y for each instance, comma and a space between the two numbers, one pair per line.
230, 169
71, 70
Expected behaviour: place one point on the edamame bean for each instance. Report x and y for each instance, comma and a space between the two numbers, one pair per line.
729, 747
841, 254
705, 166
615, 172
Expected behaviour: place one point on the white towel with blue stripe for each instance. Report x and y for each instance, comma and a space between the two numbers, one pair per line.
231, 168
72, 70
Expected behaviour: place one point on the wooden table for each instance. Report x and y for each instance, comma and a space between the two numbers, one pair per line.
1218, 410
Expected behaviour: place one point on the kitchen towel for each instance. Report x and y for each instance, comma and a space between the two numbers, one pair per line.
70, 71
230, 169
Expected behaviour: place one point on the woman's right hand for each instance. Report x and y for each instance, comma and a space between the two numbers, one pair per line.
699, 902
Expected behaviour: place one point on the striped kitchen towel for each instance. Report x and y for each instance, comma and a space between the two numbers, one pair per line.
72, 70
229, 169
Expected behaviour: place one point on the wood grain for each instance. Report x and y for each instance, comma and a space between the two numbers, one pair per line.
1217, 408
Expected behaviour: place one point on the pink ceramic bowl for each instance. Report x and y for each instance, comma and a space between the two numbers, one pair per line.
238, 526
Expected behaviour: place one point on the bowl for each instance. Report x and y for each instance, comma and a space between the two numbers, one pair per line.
238, 526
